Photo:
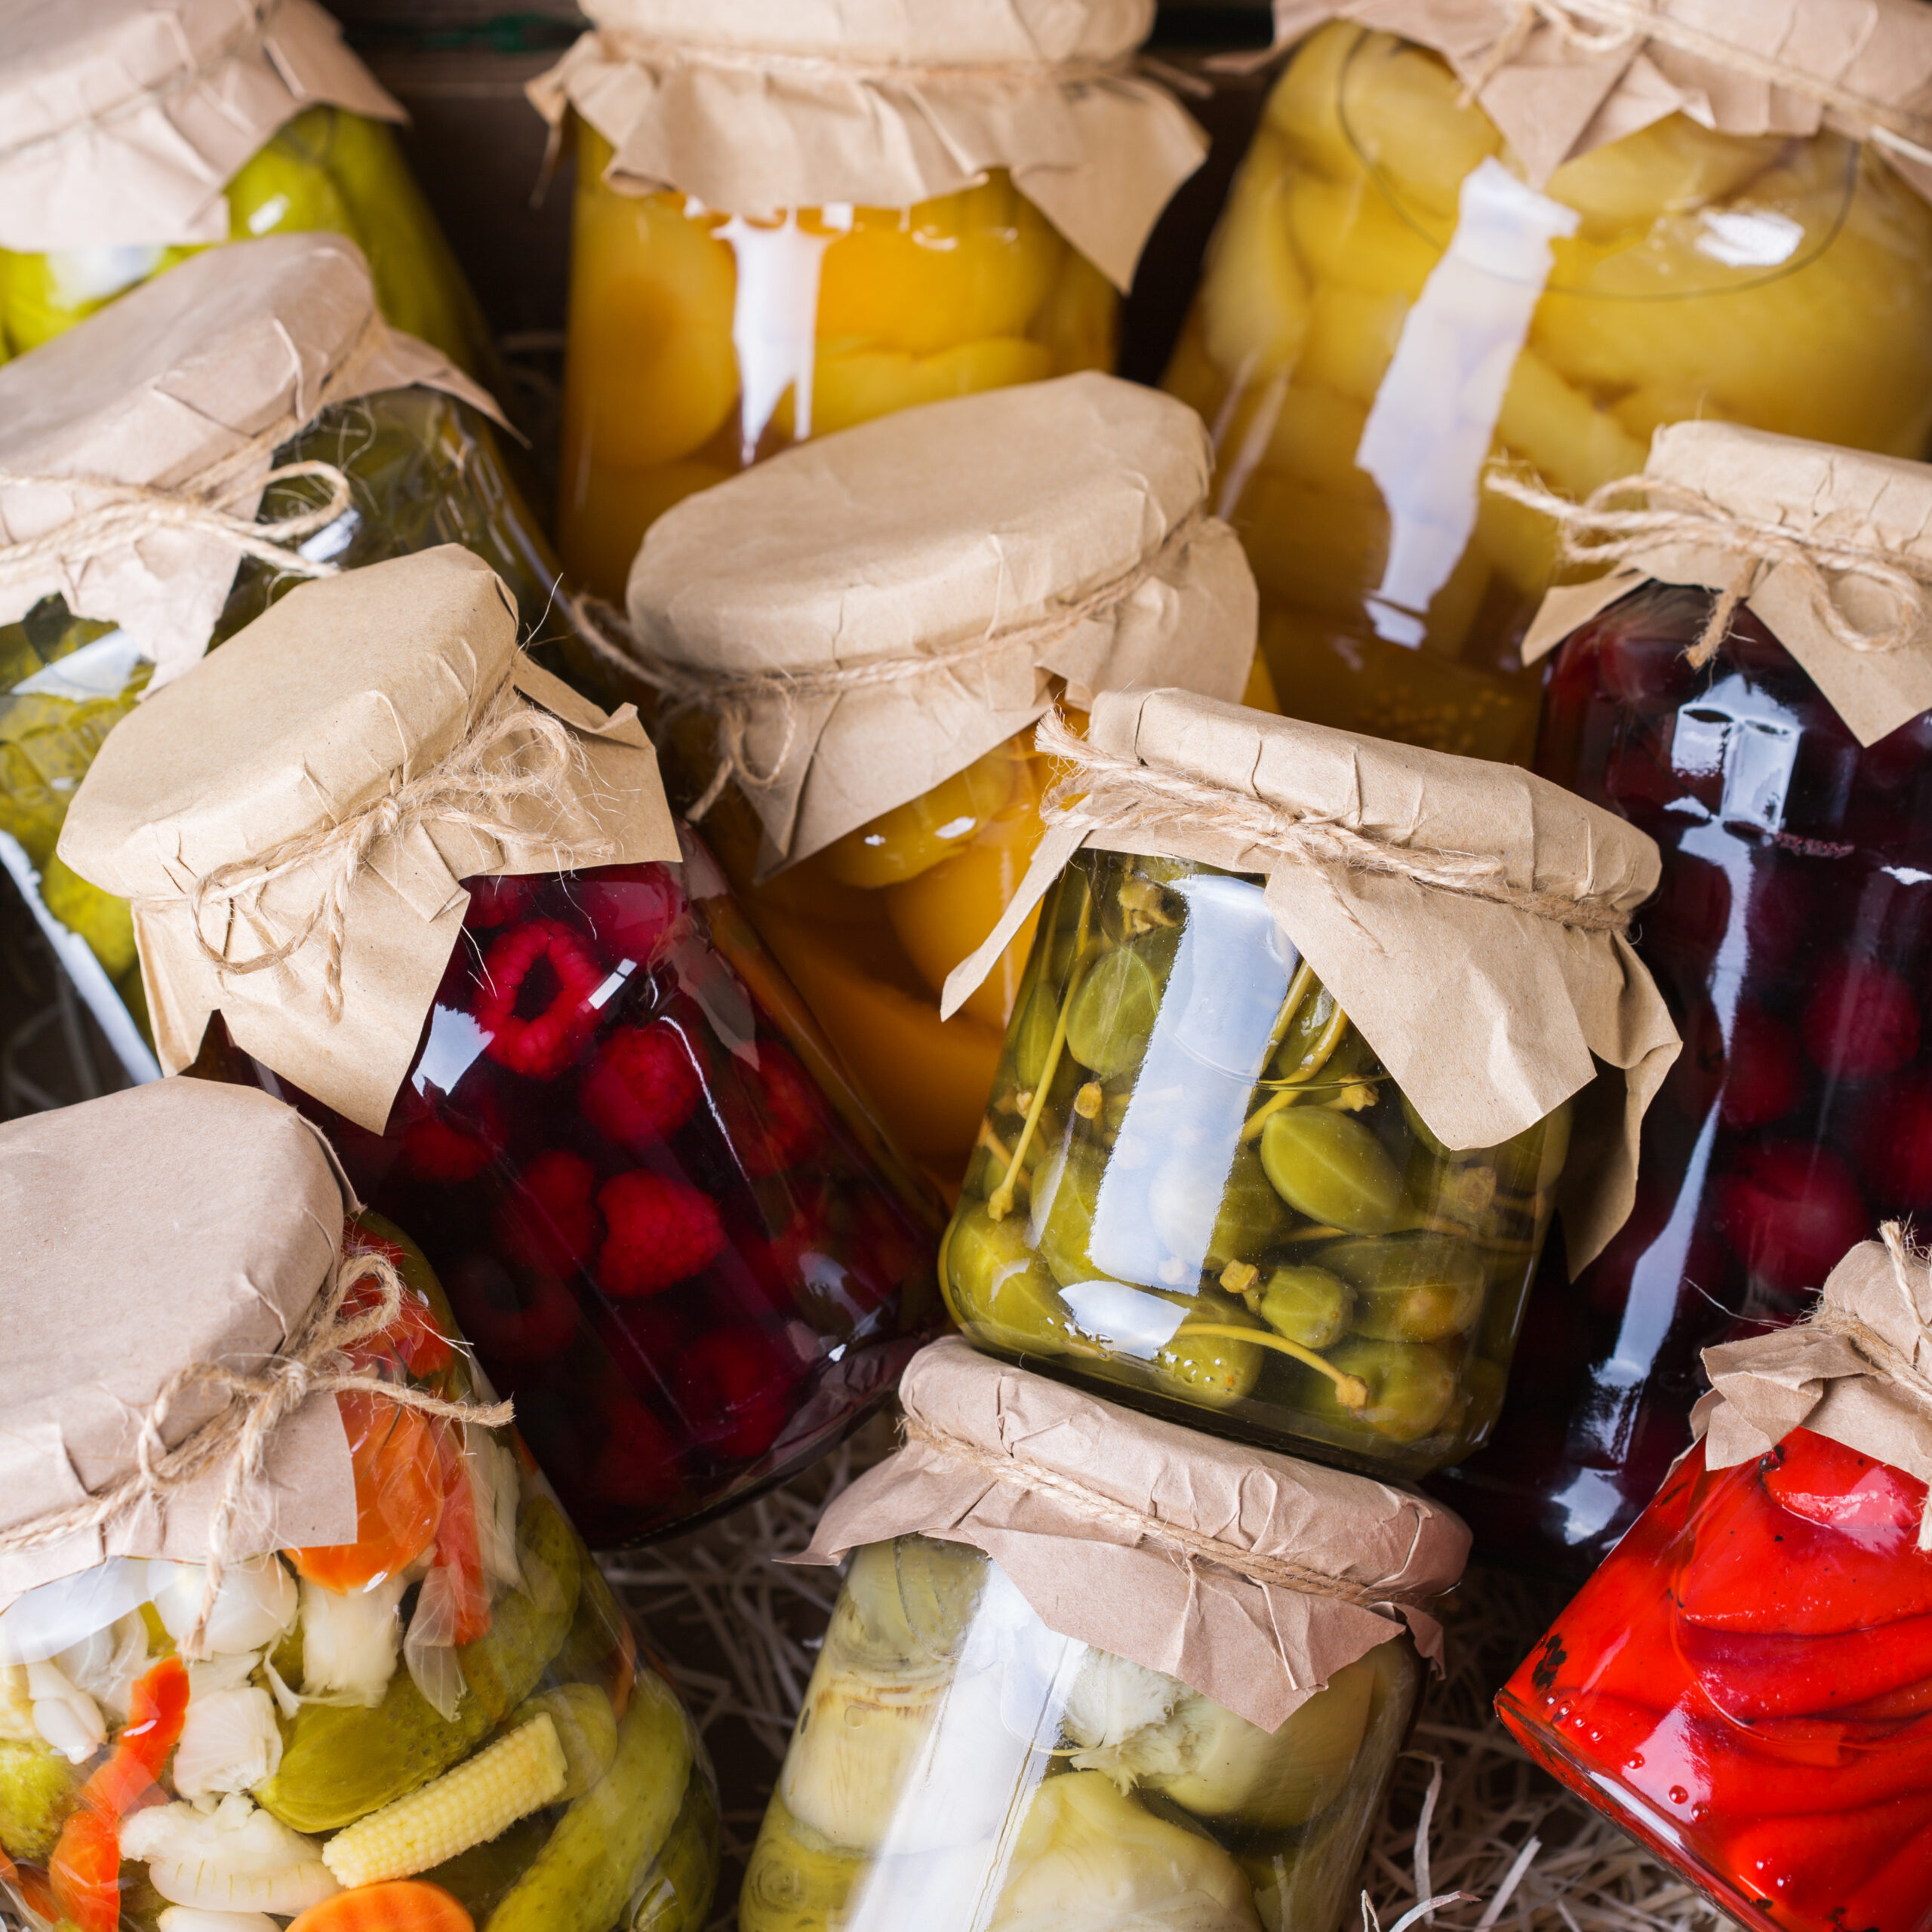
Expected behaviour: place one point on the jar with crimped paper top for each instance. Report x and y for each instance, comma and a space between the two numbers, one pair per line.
130, 140
850, 706
789, 221
170, 467
1090, 1670
437, 900
1316, 1034
290, 1627
1524, 238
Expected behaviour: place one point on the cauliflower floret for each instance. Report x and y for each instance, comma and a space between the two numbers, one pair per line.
233, 1858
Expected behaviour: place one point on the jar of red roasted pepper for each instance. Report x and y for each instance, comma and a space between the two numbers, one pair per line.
1746, 1684
1786, 779
537, 1031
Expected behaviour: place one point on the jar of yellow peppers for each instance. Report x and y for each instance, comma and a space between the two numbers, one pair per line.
1422, 269
132, 137
787, 225
859, 690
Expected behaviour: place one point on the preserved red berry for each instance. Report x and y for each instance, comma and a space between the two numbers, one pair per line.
1762, 1078
1895, 1143
780, 1119
740, 1383
1790, 1210
642, 1082
534, 1002
660, 1230
523, 1317
631, 909
498, 901
548, 1223
1861, 1021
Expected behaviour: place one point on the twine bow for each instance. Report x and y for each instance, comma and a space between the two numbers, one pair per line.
733, 698
314, 1361
1100, 790
512, 753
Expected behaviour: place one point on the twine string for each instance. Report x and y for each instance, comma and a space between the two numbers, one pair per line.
1191, 1546
736, 700
315, 1361
1099, 790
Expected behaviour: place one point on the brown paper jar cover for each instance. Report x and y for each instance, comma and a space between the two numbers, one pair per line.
121, 120
172, 1224
982, 1434
767, 105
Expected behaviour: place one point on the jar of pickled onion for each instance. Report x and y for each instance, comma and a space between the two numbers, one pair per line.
1742, 1685
786, 225
861, 690
390, 1687
1407, 284
533, 1022
129, 148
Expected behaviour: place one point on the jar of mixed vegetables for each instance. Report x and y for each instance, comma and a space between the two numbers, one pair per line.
442, 1720
127, 150
1402, 289
786, 225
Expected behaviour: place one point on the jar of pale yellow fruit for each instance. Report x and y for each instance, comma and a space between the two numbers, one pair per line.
785, 226
1425, 269
859, 691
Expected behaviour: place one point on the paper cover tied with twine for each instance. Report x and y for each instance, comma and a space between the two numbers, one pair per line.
867, 614
122, 121
1560, 78
173, 1224
1250, 1576
769, 105
134, 449
293, 818
1832, 548
1470, 917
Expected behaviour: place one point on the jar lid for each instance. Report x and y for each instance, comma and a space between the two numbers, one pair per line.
124, 121
766, 106
378, 738
185, 386
1250, 1576
899, 596
177, 1223
1469, 917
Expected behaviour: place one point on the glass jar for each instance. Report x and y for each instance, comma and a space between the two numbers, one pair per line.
510, 1758
699, 342
1376, 258
1790, 937
424, 468
328, 169
665, 1222
952, 1746
1742, 1687
1196, 1188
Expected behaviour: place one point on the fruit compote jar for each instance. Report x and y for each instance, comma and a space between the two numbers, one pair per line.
1791, 937
1387, 304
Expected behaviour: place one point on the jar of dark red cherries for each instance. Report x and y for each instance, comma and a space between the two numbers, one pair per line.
664, 1220
1791, 937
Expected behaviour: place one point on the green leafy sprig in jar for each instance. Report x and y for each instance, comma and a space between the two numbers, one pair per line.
1317, 1034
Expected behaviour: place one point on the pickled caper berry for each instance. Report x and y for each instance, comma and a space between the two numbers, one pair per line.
1110, 1016
1308, 1305
1410, 1288
993, 1280
1411, 1388
1216, 1369
1328, 1166
1244, 1211
1067, 1193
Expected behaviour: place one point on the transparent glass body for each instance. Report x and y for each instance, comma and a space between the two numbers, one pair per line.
326, 169
466, 1623
1744, 1687
1791, 939
699, 342
1386, 306
423, 469
1198, 1191
958, 1765
667, 1224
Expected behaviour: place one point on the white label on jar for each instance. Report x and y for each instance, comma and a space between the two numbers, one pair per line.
775, 316
1429, 434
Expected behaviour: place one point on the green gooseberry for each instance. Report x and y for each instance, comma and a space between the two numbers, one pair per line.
994, 1284
1328, 1166
1066, 1191
1249, 1215
1110, 1017
1411, 1387
1305, 1305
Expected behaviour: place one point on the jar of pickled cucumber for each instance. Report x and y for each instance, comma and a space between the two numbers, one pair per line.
363, 445
852, 705
789, 224
131, 143
384, 1685
1248, 1162
1089, 1668
1407, 284
534, 1025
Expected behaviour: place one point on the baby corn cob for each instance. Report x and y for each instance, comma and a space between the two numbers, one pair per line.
485, 1796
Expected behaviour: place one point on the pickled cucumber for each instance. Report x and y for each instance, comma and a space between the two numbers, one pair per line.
37, 1788
675, 1894
338, 1763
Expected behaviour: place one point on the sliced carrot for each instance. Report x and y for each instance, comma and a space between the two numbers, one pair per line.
157, 1709
399, 1495
416, 1336
85, 1871
399, 1904
459, 1546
